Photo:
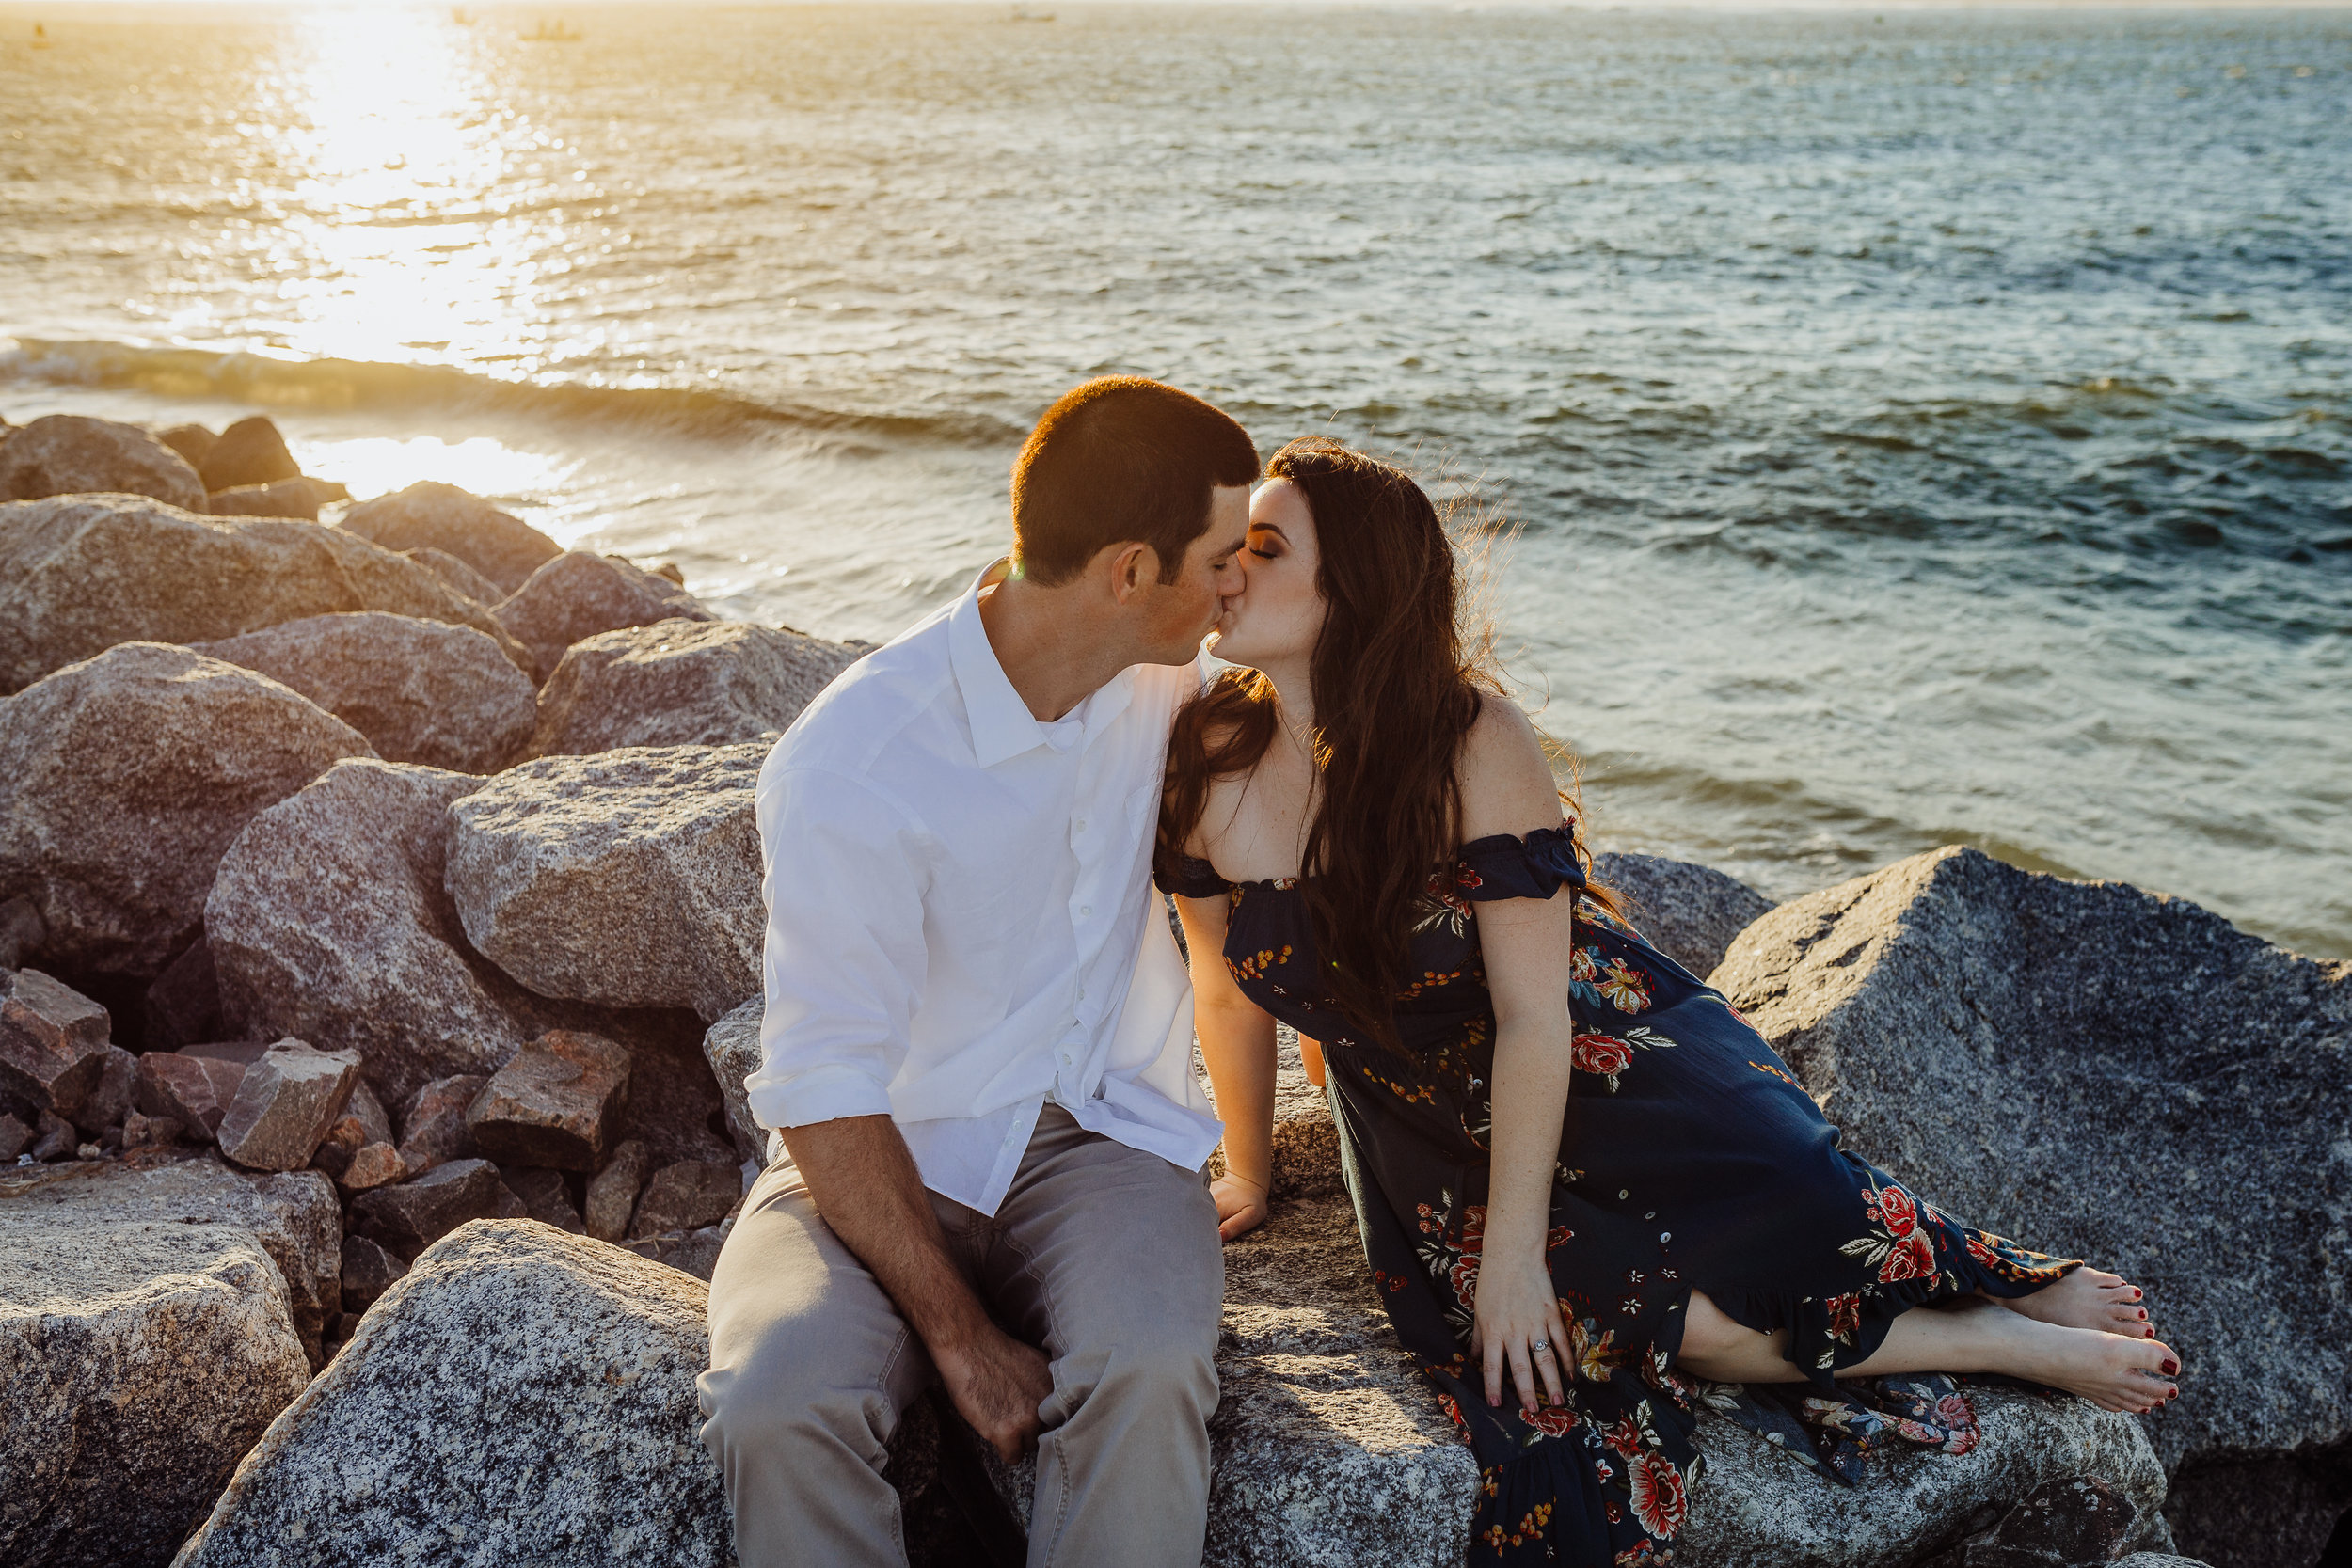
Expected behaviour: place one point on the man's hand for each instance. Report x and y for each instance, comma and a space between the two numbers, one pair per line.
1241, 1205
997, 1384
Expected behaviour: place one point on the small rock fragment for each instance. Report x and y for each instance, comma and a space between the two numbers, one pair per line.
334, 1152
368, 1272
55, 1139
412, 1217
687, 1196
288, 1100
374, 1166
545, 1195
15, 1137
433, 1124
612, 1195
195, 1092
53, 1041
554, 1104
144, 1132
251, 451
110, 1102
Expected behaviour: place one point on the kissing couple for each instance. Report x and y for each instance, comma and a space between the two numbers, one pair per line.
1591, 1195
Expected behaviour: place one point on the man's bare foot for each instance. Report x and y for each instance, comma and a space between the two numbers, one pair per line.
2111, 1371
2088, 1298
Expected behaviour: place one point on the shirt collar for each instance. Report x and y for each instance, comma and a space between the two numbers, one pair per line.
1002, 724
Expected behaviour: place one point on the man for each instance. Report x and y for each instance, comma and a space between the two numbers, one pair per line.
978, 1034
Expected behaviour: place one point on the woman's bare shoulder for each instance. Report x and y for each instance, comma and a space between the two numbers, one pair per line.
1505, 774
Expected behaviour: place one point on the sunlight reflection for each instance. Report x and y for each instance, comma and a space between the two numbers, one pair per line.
377, 466
394, 250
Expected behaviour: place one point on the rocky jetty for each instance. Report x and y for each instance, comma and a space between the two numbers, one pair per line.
79, 573
333, 1036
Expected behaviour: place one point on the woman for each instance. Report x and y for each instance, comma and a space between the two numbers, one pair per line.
1577, 1170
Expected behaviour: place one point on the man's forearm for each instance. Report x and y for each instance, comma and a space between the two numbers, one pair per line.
866, 1188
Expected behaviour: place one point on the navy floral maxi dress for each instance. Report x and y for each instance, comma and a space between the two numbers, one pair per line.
1690, 1157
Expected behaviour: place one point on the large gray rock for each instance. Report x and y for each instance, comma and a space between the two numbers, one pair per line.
629, 879
2118, 1076
328, 921
431, 516
422, 691
521, 1396
287, 497
1687, 912
580, 594
250, 452
682, 682
79, 573
65, 454
459, 576
293, 1215
140, 1360
123, 781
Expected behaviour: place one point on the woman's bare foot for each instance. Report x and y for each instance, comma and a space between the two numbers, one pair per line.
2110, 1371
2088, 1298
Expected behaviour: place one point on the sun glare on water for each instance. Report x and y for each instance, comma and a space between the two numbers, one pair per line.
396, 245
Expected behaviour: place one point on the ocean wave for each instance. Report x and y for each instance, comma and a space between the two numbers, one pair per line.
337, 385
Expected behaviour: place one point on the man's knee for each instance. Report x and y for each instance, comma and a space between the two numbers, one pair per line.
1160, 1377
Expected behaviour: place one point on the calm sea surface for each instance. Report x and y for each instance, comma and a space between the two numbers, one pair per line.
1918, 429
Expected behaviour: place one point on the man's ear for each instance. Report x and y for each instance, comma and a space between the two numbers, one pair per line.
1135, 564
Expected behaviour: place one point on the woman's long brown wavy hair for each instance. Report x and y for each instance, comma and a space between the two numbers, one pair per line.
1397, 686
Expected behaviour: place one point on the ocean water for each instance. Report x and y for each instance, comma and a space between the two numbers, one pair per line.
1916, 425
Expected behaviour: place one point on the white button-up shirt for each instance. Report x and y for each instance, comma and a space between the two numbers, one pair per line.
960, 926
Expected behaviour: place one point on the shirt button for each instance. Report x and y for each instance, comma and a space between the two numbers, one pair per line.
1085, 910
1080, 825
1082, 993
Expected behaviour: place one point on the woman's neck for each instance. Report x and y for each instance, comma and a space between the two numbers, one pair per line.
1294, 704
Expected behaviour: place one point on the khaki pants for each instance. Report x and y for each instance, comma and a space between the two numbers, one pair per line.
1104, 1256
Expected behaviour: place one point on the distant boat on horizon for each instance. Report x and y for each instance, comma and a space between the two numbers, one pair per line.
1023, 13
40, 35
562, 32
457, 14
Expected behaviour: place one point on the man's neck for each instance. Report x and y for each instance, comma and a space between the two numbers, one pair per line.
1055, 654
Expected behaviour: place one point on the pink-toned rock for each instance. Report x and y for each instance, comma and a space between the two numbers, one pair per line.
53, 1041
117, 843
53, 1137
555, 1104
687, 1196
195, 1092
422, 691
459, 576
580, 594
546, 1195
15, 1137
429, 515
368, 1270
433, 1124
681, 683
286, 1103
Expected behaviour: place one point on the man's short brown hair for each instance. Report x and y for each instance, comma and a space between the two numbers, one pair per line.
1118, 460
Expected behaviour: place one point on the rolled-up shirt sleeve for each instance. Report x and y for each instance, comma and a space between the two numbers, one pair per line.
844, 967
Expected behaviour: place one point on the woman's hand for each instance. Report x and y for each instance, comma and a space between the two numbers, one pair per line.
1240, 1205
1518, 1325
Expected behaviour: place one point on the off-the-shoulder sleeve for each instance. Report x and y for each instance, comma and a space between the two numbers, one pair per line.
1191, 879
1502, 867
